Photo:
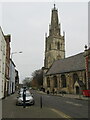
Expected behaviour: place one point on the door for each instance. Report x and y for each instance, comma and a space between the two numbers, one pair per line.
77, 90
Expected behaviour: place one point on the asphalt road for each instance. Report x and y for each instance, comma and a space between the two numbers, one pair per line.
72, 107
10, 110
52, 107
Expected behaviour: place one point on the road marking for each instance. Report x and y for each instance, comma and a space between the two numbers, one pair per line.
63, 115
73, 103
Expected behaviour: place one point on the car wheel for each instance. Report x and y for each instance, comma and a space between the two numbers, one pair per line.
16, 104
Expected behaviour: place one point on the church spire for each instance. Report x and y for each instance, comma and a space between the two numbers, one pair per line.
54, 7
55, 26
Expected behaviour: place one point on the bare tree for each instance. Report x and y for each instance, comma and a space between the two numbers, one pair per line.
26, 81
37, 78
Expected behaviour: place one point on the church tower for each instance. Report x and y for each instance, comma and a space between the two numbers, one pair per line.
54, 43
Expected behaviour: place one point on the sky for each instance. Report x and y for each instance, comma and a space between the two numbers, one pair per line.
27, 22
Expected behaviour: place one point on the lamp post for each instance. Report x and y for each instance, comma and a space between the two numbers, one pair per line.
11, 69
14, 53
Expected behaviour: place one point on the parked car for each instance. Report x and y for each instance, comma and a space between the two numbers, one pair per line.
29, 99
21, 90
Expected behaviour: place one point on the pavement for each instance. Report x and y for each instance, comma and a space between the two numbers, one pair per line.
79, 97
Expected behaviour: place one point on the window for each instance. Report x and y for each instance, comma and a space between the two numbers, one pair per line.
58, 46
0, 65
55, 81
48, 82
75, 78
50, 47
63, 78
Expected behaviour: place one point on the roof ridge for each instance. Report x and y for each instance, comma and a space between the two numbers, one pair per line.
69, 57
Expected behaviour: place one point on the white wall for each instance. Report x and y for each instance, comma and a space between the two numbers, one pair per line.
2, 63
0, 66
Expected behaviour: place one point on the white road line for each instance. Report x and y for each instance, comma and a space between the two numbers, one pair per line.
73, 103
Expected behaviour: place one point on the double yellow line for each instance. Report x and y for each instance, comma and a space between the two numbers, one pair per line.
63, 115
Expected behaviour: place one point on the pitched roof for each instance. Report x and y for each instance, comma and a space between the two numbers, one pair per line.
73, 63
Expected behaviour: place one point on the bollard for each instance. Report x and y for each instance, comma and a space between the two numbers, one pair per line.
41, 102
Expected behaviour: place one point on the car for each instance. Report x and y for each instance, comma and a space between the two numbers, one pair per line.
27, 91
22, 89
29, 99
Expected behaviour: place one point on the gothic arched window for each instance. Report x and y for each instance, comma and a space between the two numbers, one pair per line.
50, 47
75, 78
55, 81
61, 46
48, 82
58, 45
63, 78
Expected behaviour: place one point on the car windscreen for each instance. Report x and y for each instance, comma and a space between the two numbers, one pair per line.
27, 95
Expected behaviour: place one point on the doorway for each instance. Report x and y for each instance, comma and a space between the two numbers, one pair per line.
77, 90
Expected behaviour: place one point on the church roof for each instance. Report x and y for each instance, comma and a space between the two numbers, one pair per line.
73, 63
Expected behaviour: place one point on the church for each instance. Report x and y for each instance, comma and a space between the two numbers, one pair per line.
61, 73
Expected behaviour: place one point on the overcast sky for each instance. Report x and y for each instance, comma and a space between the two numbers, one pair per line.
28, 22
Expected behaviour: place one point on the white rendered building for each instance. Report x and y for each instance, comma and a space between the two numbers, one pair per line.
2, 62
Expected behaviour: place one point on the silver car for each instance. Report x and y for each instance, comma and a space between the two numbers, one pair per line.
29, 99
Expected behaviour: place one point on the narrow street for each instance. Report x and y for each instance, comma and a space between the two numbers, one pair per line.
52, 107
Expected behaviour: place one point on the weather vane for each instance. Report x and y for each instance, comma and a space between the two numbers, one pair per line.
54, 4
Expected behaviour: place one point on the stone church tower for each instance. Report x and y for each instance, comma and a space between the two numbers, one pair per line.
54, 43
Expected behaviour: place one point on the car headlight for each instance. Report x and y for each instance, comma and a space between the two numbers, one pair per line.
19, 100
31, 100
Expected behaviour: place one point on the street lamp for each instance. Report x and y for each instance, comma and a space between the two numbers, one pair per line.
15, 53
